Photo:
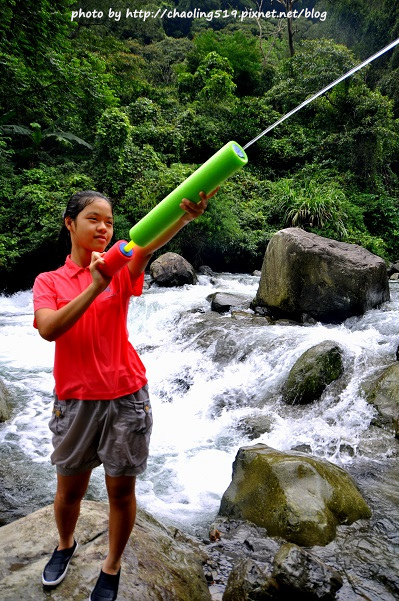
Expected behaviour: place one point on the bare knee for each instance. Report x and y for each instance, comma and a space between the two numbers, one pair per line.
121, 490
71, 489
68, 497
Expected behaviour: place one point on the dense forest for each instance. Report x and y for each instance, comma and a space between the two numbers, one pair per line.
132, 105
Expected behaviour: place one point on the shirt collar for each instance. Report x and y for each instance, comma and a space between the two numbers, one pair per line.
72, 268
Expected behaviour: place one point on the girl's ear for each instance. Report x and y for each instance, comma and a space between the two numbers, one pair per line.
68, 222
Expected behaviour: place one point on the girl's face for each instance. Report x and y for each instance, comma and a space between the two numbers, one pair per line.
93, 228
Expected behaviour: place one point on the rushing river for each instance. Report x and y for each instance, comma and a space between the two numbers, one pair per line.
211, 378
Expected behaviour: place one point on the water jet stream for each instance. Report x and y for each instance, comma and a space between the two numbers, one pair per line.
320, 92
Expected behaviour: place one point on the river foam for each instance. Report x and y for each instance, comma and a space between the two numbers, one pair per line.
207, 379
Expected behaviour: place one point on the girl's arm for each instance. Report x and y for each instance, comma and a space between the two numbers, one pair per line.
141, 256
52, 323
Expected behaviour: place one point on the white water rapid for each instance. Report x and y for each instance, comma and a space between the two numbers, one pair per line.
211, 378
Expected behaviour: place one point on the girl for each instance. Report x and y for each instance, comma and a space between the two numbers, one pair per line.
102, 412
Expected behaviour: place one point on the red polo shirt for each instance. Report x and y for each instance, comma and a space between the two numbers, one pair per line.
94, 360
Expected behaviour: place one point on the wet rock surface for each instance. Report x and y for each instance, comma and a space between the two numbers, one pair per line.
384, 395
246, 564
224, 301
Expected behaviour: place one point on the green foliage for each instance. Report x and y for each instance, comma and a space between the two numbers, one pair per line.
31, 215
113, 131
112, 137
351, 127
364, 26
361, 136
166, 58
380, 215
211, 83
315, 64
311, 204
239, 48
144, 110
154, 107
37, 139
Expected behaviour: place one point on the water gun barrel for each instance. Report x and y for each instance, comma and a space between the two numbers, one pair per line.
222, 165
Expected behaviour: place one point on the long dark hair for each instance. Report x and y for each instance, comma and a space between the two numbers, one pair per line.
76, 204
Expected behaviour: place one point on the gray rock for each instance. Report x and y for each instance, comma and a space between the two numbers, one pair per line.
250, 580
255, 426
329, 281
171, 269
158, 562
224, 301
312, 372
206, 270
299, 573
296, 574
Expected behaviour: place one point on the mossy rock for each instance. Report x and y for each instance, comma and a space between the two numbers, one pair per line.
294, 496
313, 371
5, 411
384, 395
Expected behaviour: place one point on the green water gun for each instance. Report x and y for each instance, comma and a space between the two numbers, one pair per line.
222, 165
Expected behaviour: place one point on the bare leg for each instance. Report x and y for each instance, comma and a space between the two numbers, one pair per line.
70, 492
122, 515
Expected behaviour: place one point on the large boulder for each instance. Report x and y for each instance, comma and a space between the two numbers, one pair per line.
306, 275
384, 395
312, 372
292, 495
158, 562
172, 269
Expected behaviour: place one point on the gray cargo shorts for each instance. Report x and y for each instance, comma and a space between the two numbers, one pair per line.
115, 433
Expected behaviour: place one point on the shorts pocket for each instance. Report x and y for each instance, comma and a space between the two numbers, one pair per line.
140, 416
58, 420
127, 441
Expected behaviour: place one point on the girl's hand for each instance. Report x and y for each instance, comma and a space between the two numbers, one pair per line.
193, 209
53, 323
100, 281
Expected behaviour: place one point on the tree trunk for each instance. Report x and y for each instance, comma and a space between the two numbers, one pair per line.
290, 37
288, 6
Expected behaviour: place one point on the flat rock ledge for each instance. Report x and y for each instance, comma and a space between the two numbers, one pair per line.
159, 562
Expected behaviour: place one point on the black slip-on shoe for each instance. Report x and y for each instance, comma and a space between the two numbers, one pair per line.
56, 569
106, 588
